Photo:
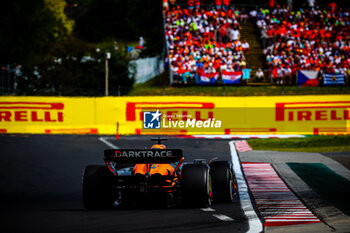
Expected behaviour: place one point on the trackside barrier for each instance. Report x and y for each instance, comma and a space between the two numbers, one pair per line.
181, 115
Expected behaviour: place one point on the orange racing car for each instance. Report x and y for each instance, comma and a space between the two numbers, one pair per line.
156, 176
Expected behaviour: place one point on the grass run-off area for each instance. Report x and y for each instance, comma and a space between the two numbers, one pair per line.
146, 90
307, 144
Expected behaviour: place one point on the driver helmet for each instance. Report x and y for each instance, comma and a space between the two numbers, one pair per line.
159, 146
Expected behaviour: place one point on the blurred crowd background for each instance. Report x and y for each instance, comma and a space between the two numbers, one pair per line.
69, 48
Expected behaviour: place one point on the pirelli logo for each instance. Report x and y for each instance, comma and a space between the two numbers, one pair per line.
31, 112
313, 111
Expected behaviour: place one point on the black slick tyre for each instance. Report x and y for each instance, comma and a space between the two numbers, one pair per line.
223, 181
195, 185
97, 188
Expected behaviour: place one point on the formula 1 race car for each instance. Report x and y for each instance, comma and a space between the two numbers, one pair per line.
158, 176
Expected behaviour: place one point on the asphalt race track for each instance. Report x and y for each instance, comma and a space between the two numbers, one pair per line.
40, 188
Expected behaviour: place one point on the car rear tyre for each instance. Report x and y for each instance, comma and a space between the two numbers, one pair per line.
195, 185
97, 188
223, 181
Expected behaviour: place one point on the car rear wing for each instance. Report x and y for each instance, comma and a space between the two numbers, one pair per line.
143, 155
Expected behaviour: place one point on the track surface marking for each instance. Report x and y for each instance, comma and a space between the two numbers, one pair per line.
242, 146
277, 204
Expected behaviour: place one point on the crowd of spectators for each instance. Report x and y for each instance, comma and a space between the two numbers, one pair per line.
204, 41
305, 39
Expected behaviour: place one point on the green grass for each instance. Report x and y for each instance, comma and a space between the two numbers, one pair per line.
308, 144
156, 90
328, 184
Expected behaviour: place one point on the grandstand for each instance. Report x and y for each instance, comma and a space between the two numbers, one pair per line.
204, 45
315, 39
210, 46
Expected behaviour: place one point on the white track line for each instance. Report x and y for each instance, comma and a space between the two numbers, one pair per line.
111, 145
223, 217
207, 209
254, 222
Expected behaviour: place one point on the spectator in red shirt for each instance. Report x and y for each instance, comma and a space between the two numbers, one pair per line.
218, 4
197, 4
332, 6
190, 5
225, 4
